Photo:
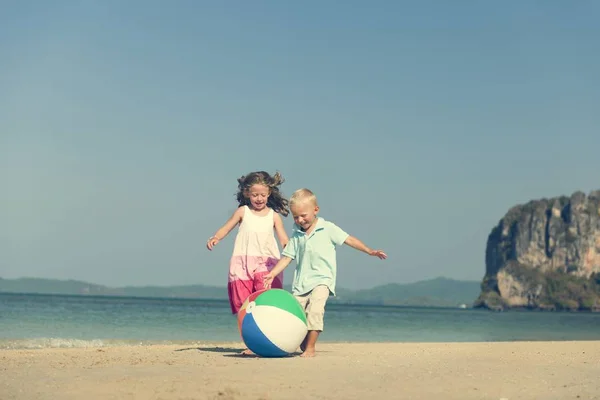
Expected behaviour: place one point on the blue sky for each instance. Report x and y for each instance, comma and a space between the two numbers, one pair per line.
124, 126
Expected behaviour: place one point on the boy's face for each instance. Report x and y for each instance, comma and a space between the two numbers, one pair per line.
305, 214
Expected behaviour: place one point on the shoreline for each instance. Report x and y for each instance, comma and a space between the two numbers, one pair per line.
57, 343
390, 370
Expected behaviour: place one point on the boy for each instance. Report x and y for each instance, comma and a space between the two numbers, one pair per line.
312, 245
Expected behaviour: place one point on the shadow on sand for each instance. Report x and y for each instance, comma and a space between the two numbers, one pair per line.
234, 352
214, 349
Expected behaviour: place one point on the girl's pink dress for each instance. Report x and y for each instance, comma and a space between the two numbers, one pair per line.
255, 253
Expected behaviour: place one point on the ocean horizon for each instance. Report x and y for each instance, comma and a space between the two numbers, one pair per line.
61, 321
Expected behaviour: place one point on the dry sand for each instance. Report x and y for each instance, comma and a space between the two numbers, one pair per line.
521, 370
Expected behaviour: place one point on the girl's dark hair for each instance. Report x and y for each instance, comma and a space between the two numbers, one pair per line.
276, 200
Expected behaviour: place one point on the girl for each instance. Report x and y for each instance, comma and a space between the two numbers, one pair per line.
255, 251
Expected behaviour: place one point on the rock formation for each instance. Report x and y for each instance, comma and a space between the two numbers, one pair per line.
545, 255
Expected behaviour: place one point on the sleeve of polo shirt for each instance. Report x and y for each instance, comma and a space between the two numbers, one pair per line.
291, 249
338, 235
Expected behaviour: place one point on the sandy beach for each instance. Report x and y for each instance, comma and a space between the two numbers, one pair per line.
517, 370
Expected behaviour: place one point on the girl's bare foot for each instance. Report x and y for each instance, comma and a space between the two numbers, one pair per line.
247, 352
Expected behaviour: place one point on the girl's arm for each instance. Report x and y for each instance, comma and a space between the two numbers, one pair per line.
280, 230
225, 229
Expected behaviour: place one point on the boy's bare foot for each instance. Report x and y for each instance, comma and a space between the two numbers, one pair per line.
308, 353
308, 344
247, 352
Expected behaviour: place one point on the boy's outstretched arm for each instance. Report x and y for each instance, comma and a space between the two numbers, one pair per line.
281, 265
358, 245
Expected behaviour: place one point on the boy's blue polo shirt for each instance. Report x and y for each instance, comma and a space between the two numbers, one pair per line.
315, 255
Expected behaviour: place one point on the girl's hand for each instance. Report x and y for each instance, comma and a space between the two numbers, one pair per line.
378, 253
212, 242
268, 280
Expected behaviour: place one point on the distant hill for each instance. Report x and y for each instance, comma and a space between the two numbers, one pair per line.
55, 286
438, 292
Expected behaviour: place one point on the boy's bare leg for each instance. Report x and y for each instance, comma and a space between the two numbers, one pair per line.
315, 310
308, 345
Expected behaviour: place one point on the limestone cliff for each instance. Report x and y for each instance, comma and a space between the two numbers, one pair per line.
545, 255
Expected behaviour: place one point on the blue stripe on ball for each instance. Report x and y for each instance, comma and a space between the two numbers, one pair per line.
257, 341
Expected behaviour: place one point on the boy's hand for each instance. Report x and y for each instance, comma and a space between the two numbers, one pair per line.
268, 280
378, 253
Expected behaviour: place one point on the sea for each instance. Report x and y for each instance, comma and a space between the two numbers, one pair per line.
36, 321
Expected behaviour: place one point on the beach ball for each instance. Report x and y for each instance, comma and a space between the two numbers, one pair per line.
272, 323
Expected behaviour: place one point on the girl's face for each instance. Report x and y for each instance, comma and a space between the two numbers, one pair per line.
258, 195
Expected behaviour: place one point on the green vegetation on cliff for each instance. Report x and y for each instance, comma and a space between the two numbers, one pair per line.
551, 290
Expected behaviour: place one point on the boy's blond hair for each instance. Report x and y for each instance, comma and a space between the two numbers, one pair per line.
303, 196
